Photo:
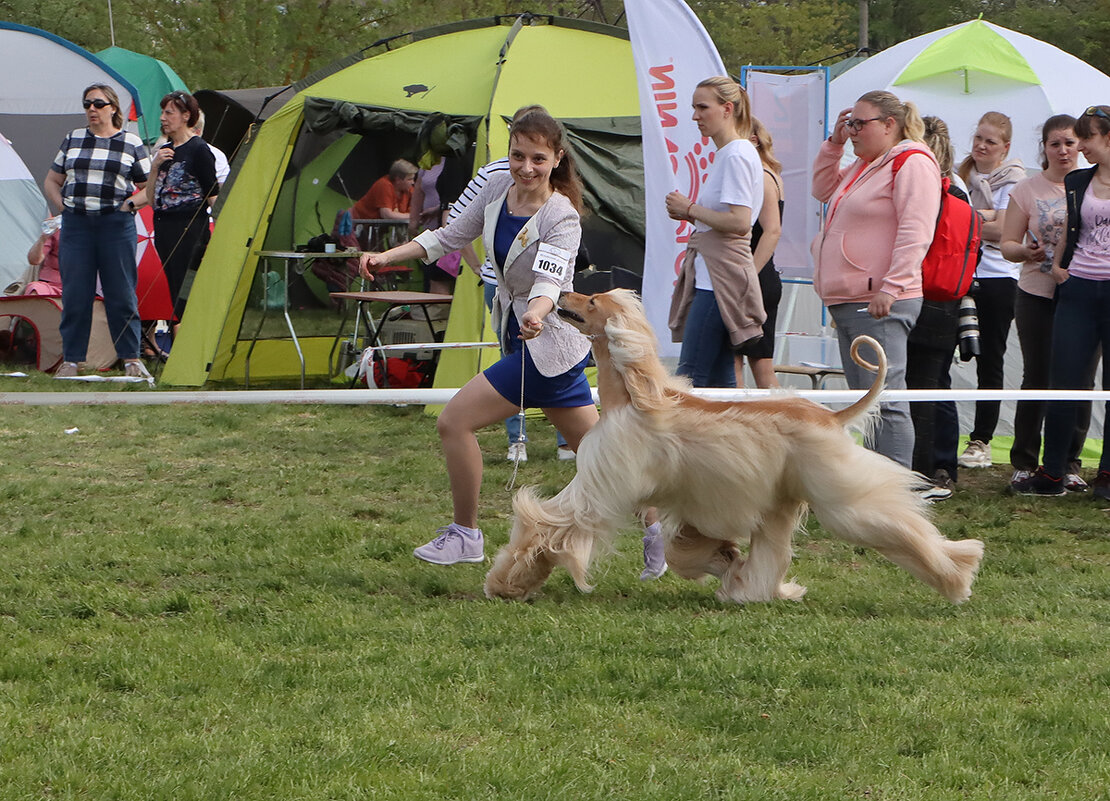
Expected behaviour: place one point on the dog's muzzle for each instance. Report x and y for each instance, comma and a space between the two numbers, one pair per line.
567, 314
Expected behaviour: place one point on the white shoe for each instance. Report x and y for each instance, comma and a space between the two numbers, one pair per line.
137, 369
66, 370
976, 454
517, 452
565, 454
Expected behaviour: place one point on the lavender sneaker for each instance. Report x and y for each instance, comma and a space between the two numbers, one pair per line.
452, 546
655, 563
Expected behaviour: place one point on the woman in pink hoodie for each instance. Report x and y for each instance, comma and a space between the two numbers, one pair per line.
878, 227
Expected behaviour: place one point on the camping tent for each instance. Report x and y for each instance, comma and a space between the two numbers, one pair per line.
22, 210
42, 77
230, 113
152, 77
365, 112
958, 73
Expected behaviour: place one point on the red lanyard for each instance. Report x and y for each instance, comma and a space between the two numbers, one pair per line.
840, 197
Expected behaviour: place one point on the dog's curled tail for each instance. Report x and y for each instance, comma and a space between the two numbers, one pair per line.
864, 404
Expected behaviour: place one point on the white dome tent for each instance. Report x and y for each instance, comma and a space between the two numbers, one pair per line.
958, 73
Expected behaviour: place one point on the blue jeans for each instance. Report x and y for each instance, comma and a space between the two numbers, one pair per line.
104, 245
1081, 324
514, 425
706, 357
894, 435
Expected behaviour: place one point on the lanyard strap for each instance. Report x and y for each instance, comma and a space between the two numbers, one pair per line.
836, 203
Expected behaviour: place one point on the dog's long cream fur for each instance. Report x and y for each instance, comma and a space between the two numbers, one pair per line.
719, 474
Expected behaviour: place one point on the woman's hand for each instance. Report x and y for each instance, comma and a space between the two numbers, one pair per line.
840, 130
880, 304
1059, 274
161, 156
531, 325
1035, 253
369, 262
678, 206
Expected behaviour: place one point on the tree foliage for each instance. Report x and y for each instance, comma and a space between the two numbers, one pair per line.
236, 43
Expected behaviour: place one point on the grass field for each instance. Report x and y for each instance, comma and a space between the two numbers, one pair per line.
214, 603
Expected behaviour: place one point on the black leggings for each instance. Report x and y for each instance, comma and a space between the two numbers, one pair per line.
180, 240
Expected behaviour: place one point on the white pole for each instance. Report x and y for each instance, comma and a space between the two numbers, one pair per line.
111, 24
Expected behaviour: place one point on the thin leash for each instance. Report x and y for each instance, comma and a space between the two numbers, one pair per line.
520, 417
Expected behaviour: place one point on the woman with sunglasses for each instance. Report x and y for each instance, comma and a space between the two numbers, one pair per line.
93, 181
878, 227
989, 175
1081, 324
184, 185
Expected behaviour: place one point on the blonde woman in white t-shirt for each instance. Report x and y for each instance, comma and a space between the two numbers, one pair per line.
717, 305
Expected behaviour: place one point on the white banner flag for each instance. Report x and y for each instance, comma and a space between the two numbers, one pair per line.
673, 53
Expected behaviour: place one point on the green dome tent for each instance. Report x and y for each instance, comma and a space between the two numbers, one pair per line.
344, 126
152, 77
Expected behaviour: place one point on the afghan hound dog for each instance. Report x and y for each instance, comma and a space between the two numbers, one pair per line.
719, 474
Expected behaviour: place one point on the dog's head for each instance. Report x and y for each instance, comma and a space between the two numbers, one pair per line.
615, 320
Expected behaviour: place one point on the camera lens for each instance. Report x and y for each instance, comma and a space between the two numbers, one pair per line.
968, 327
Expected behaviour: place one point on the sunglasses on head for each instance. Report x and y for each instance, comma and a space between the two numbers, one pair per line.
1095, 111
98, 103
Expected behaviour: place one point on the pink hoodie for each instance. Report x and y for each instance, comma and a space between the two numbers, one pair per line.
877, 233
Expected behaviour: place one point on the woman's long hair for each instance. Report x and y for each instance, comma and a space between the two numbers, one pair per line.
113, 98
938, 140
765, 145
727, 90
538, 124
1004, 126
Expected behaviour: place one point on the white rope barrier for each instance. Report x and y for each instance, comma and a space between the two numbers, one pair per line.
438, 397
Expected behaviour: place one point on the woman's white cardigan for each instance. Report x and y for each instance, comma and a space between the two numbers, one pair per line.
559, 346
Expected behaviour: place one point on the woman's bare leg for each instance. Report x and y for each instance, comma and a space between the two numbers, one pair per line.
475, 406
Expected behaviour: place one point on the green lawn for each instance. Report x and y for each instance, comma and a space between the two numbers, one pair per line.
214, 603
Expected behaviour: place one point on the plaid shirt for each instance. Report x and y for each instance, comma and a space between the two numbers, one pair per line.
100, 172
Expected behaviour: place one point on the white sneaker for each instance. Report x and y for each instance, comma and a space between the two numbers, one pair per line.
517, 452
66, 370
565, 453
976, 454
137, 369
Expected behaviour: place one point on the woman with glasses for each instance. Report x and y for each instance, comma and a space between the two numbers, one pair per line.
989, 175
184, 185
1081, 325
878, 227
93, 181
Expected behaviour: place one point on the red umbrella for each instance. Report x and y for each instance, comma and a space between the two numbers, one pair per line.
152, 290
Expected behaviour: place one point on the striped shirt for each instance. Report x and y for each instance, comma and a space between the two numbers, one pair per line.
100, 172
468, 195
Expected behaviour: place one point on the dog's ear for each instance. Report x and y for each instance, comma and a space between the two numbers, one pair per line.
634, 353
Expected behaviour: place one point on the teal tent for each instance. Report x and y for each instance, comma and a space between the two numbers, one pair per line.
152, 77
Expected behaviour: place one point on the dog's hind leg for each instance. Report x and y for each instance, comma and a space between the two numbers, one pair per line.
760, 578
905, 536
692, 555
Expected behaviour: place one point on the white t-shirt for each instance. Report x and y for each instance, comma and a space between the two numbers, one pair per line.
735, 178
992, 265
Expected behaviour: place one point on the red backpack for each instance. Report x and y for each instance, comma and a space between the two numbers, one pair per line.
949, 265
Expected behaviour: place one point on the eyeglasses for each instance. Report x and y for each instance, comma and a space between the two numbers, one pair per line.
1095, 111
98, 103
857, 124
